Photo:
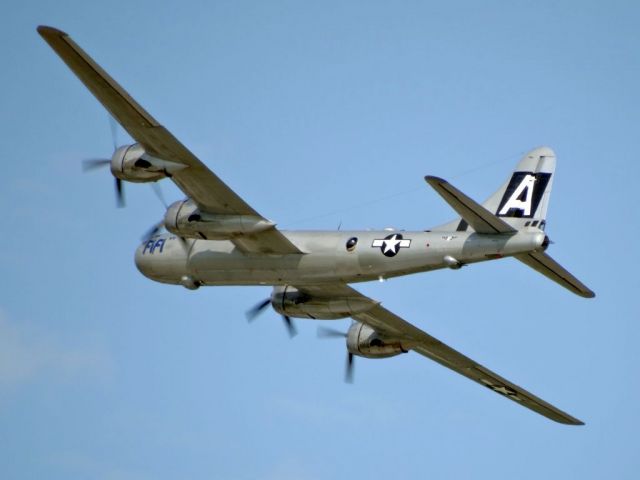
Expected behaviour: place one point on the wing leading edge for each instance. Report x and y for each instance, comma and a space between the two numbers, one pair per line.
197, 182
388, 324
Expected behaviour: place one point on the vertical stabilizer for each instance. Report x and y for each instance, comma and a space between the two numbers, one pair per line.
522, 201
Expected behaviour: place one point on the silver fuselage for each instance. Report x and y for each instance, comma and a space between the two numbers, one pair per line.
326, 259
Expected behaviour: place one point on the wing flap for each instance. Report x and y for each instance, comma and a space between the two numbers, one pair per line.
481, 219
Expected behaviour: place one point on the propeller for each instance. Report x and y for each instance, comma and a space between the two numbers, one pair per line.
153, 231
324, 332
95, 163
257, 309
160, 225
158, 191
156, 228
348, 372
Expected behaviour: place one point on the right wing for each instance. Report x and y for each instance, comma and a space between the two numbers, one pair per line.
392, 326
198, 182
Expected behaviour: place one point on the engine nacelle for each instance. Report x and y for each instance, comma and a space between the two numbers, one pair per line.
133, 164
185, 219
293, 303
364, 341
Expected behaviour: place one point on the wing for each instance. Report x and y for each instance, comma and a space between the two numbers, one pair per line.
198, 182
388, 324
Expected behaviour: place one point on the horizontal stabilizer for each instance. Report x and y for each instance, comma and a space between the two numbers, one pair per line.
547, 266
480, 219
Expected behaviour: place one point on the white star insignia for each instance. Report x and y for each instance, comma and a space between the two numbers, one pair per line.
506, 391
391, 245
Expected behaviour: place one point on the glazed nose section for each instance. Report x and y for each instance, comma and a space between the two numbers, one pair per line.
162, 258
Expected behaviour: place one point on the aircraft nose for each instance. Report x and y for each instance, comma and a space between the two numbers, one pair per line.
143, 259
162, 258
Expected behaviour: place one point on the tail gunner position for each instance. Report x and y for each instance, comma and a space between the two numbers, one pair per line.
215, 238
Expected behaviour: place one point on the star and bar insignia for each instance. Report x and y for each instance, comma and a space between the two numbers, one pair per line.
391, 244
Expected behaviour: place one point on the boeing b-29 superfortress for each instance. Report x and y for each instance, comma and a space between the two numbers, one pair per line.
215, 238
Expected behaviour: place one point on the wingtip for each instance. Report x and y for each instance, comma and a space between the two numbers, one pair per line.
575, 422
430, 179
587, 294
566, 419
46, 31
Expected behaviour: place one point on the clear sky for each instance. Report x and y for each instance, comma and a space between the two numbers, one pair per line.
319, 113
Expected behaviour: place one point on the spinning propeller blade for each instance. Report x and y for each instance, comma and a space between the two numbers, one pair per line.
113, 125
95, 163
291, 328
324, 332
119, 193
257, 309
152, 231
348, 373
158, 191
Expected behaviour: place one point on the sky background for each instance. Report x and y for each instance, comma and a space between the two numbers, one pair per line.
319, 114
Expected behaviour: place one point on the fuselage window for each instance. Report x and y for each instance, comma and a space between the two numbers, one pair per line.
351, 244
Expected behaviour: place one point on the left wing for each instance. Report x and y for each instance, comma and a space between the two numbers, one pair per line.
198, 182
390, 325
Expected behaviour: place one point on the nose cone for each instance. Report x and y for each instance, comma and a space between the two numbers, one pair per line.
162, 258
144, 259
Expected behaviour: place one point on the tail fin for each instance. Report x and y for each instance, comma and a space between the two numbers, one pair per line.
523, 200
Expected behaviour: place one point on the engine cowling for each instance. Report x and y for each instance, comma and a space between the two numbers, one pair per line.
364, 341
185, 219
133, 164
293, 303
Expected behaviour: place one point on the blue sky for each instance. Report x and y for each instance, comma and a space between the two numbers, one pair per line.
319, 114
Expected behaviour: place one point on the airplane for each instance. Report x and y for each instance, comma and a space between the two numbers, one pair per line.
214, 237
